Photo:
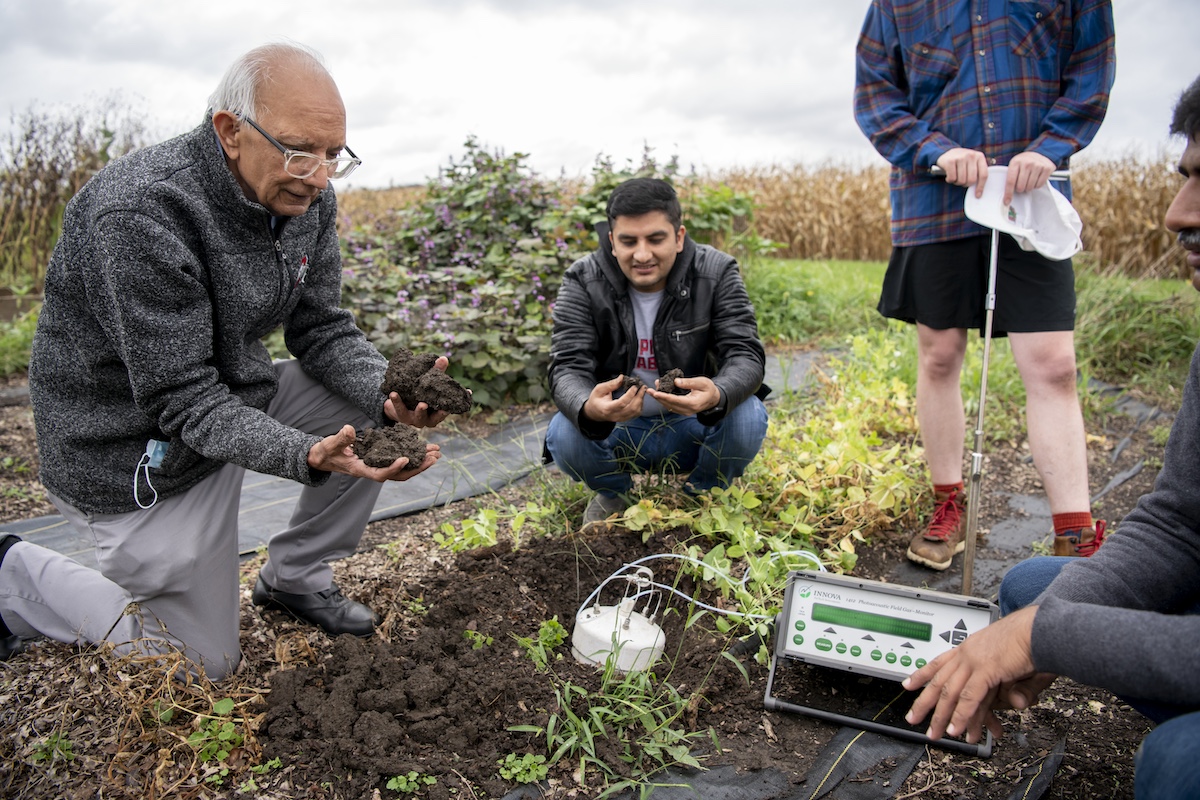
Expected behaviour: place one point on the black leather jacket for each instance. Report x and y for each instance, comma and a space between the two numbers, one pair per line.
705, 326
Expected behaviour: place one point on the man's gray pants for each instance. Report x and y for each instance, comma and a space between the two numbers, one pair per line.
168, 577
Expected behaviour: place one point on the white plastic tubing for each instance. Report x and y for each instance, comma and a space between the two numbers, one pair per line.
633, 565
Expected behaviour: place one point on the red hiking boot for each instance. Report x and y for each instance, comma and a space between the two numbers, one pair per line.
1079, 542
935, 546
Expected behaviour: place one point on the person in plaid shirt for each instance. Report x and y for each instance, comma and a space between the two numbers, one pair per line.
965, 85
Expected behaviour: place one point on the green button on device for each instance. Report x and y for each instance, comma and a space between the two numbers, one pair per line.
824, 644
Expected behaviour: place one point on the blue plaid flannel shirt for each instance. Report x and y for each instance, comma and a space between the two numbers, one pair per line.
998, 76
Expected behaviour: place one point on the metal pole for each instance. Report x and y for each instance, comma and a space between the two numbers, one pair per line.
976, 476
977, 451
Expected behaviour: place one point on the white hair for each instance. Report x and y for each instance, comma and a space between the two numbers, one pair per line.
238, 90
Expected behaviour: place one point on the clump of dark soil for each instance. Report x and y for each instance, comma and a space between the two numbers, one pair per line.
414, 378
666, 383
379, 447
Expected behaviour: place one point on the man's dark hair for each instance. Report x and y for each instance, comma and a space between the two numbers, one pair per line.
639, 196
1186, 121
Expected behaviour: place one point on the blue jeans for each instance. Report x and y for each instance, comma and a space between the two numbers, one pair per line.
1165, 764
715, 455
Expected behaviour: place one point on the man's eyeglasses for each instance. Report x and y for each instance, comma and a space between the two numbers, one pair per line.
299, 164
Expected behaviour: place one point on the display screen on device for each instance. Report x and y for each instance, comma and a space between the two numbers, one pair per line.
876, 623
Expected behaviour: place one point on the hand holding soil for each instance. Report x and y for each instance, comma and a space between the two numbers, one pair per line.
421, 380
601, 406
380, 447
420, 394
688, 396
340, 453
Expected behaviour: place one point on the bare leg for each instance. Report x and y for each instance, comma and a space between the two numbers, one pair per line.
939, 400
1056, 435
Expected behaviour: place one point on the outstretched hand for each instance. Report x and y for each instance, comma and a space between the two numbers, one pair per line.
601, 406
421, 416
992, 668
335, 454
702, 395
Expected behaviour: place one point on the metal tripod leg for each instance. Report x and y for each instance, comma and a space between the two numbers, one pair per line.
977, 450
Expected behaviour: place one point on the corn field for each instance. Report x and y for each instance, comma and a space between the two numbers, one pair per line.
827, 211
48, 157
838, 212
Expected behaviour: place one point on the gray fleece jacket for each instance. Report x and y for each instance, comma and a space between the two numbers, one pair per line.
161, 286
1115, 620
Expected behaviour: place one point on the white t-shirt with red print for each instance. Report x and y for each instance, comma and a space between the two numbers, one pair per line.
645, 310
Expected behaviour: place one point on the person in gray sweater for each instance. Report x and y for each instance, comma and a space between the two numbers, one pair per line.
1128, 618
152, 391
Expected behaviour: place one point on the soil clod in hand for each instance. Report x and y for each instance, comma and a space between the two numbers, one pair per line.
666, 383
632, 382
379, 447
414, 378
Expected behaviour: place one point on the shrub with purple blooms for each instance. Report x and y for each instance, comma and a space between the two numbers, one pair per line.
472, 268
470, 271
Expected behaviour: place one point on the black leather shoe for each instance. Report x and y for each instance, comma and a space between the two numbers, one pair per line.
10, 645
329, 609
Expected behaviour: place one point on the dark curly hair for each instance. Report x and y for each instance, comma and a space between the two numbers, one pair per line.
1186, 121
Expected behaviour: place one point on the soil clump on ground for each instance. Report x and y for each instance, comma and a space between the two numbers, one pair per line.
345, 715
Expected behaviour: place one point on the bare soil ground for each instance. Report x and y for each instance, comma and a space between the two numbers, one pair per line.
343, 716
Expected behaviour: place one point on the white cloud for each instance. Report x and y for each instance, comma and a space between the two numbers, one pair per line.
716, 83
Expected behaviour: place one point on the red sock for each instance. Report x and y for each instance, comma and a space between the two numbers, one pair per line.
1071, 521
947, 488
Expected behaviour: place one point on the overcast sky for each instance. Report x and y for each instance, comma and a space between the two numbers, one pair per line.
720, 83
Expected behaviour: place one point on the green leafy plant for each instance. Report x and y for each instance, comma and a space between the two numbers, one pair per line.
526, 768
53, 749
550, 635
216, 736
250, 785
484, 528
718, 214
415, 606
587, 208
16, 337
470, 270
394, 551
635, 713
1159, 435
471, 533
410, 783
478, 640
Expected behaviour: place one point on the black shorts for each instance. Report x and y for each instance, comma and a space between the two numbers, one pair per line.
944, 286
